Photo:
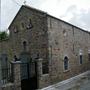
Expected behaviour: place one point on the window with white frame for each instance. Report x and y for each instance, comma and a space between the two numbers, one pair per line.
80, 56
66, 63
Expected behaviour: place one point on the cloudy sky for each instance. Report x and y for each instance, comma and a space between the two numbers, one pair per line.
76, 12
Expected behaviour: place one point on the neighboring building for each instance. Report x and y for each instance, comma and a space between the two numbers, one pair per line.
63, 48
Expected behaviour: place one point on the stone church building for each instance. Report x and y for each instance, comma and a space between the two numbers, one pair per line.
62, 49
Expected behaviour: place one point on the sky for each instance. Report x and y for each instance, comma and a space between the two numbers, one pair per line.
76, 12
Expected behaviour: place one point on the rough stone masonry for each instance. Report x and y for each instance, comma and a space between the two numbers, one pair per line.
63, 49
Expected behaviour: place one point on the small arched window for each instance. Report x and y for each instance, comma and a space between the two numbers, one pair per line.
24, 45
66, 63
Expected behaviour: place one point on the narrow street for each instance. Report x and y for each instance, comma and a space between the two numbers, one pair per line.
80, 82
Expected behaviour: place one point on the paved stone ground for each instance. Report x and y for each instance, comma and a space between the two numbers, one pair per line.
80, 82
83, 84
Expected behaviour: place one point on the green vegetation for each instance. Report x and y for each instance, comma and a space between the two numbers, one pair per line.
3, 35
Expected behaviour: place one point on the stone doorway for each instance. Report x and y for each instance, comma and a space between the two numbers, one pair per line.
28, 72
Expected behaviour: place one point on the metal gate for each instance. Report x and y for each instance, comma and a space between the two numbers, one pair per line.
28, 73
28, 76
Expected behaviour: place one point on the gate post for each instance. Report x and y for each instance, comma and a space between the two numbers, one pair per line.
16, 74
39, 71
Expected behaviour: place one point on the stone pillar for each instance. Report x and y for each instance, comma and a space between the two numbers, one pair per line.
16, 75
39, 71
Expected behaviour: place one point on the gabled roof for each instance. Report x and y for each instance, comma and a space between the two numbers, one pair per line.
29, 7
26, 6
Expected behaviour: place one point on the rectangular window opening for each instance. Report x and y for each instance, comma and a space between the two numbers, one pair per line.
80, 59
45, 68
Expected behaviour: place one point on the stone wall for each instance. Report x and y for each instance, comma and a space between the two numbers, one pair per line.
16, 84
43, 79
35, 36
29, 26
66, 40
